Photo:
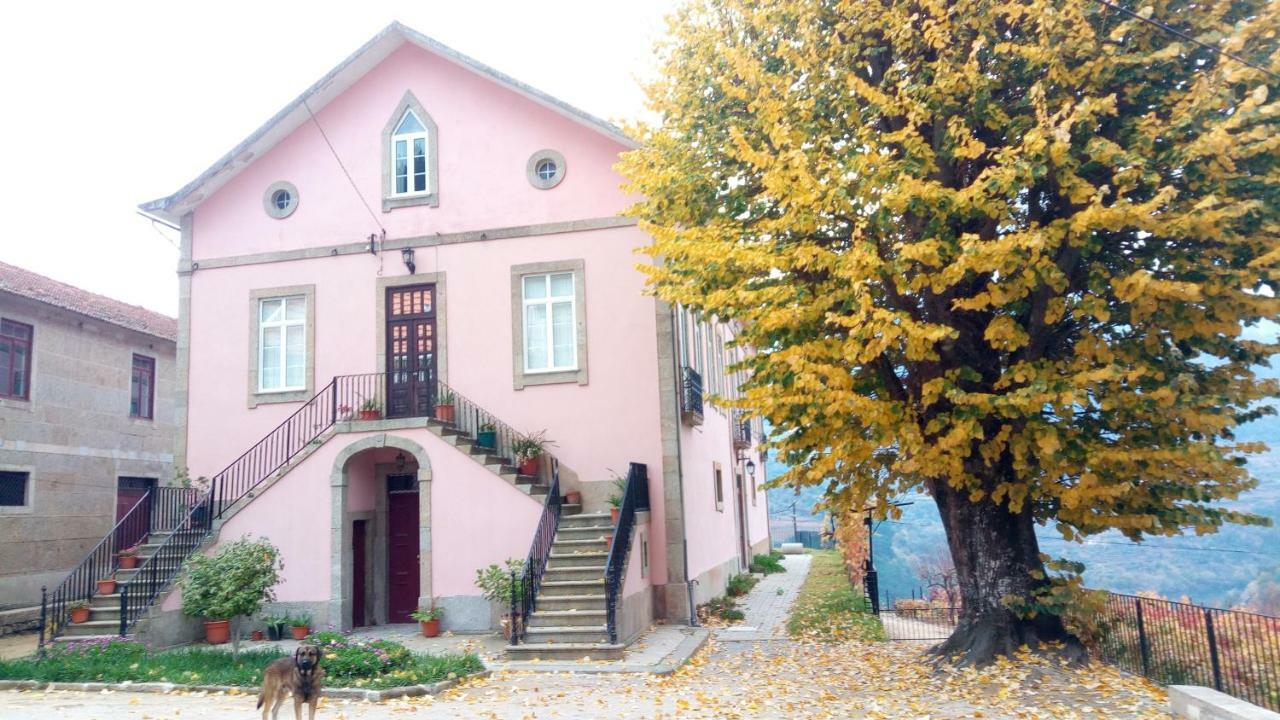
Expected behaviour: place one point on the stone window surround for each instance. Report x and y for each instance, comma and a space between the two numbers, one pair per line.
269, 205
390, 200
531, 169
28, 495
521, 378
717, 490
257, 397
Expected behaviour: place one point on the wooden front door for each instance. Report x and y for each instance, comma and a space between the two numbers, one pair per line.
359, 532
129, 490
740, 503
402, 547
411, 350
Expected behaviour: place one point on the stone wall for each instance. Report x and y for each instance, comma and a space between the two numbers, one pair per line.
75, 438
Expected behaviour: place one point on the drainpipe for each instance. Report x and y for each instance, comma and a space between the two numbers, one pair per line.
684, 523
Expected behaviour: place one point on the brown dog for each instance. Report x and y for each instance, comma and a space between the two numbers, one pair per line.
299, 676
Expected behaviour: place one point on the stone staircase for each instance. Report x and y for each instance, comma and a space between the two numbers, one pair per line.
104, 610
569, 618
486, 457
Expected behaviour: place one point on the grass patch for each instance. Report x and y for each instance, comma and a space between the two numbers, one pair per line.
829, 607
767, 564
741, 584
376, 664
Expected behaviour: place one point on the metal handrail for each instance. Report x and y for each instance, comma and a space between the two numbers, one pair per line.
524, 589
635, 497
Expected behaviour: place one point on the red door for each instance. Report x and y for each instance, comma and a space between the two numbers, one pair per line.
360, 527
129, 491
402, 549
411, 356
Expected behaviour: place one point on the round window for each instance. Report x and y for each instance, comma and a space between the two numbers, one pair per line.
545, 169
280, 200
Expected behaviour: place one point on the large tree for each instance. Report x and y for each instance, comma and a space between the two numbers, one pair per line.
1000, 250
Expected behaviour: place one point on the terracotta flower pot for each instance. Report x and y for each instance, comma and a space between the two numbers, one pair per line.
80, 615
256, 635
128, 562
614, 513
370, 414
608, 539
430, 628
300, 632
217, 632
444, 413
529, 467
106, 587
573, 497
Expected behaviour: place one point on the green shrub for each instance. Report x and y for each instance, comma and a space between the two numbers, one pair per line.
741, 584
732, 614
495, 581
231, 583
355, 661
767, 564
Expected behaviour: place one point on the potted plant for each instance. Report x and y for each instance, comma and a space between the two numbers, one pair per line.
344, 412
79, 611
256, 636
497, 583
429, 618
528, 450
228, 585
106, 586
276, 625
128, 558
301, 626
573, 497
444, 407
608, 538
370, 410
615, 499
487, 436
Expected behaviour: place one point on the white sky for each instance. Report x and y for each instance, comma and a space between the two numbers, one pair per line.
109, 104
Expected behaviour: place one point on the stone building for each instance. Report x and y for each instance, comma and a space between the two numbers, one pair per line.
86, 423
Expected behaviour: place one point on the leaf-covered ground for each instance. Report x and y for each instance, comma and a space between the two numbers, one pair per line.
829, 607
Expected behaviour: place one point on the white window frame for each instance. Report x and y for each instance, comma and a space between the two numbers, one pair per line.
549, 301
283, 324
408, 139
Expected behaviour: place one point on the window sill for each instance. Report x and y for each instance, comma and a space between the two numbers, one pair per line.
271, 397
398, 201
550, 377
15, 403
15, 509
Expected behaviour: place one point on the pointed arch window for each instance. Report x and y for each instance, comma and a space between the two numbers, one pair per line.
409, 155
409, 141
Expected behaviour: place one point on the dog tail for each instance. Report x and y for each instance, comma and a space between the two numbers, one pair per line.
261, 697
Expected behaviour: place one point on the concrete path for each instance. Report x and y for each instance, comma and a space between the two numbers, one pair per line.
768, 606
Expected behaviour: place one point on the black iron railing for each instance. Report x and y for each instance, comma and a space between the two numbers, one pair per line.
524, 587
346, 398
635, 497
741, 431
1174, 643
690, 396
81, 583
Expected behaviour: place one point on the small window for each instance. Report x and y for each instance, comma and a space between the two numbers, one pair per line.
409, 156
142, 390
545, 169
15, 359
550, 323
280, 200
719, 489
282, 344
13, 488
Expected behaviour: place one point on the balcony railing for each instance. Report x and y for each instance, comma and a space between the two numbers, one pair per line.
690, 396
741, 431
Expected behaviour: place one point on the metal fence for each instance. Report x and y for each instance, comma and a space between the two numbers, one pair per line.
1174, 643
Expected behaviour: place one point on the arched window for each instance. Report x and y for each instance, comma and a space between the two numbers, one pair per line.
409, 156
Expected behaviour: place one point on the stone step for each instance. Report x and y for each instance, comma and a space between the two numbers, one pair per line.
567, 509
567, 634
578, 558
567, 547
584, 532
566, 618
93, 627
585, 520
81, 638
554, 588
162, 570
530, 488
585, 572
564, 651
571, 602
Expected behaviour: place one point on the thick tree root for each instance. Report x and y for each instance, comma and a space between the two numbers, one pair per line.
979, 642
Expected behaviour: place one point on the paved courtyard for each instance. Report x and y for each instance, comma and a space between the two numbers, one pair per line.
748, 672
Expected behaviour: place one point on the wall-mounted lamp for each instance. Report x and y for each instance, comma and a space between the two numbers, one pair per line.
406, 254
751, 469
400, 462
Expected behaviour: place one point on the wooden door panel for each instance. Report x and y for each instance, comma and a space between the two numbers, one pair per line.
402, 556
411, 346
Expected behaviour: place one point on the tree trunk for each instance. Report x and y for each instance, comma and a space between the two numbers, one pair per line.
995, 552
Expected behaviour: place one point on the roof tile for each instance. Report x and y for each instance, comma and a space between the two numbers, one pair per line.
68, 297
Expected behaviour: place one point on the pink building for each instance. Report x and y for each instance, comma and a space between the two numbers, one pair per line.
405, 271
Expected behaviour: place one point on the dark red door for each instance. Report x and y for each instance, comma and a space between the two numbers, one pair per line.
411, 350
130, 490
358, 540
402, 549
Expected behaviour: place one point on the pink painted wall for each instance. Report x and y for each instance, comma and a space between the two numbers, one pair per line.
487, 134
